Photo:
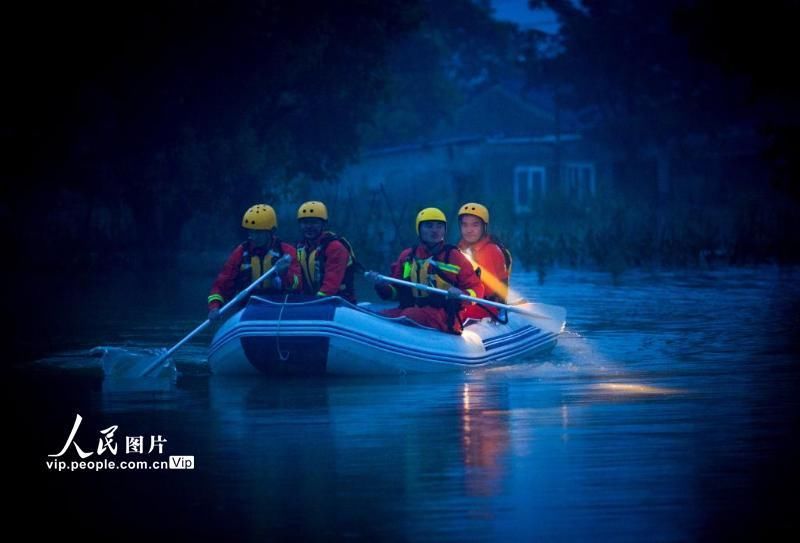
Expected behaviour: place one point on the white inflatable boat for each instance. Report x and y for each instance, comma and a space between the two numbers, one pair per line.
332, 336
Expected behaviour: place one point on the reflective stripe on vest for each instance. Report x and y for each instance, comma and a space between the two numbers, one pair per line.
257, 264
419, 271
312, 268
308, 265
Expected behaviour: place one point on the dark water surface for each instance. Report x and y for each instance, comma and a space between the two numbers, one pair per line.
667, 412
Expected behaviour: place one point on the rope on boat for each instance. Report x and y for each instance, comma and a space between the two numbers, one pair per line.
283, 356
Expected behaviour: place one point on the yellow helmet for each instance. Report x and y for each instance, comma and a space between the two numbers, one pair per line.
312, 210
260, 217
430, 214
472, 208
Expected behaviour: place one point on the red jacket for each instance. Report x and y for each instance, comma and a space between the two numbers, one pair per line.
448, 267
237, 275
492, 263
494, 274
331, 275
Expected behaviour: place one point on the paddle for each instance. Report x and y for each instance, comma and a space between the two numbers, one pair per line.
284, 260
557, 313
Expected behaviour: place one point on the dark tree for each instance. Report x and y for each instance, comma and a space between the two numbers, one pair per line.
458, 51
757, 45
654, 74
159, 110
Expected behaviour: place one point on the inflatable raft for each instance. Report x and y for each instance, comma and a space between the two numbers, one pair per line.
332, 336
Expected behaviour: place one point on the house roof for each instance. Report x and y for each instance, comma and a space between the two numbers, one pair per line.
499, 112
473, 140
497, 116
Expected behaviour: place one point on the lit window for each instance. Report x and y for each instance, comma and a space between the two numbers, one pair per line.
579, 179
530, 185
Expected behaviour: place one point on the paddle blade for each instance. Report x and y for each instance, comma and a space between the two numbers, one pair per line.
549, 317
555, 312
130, 364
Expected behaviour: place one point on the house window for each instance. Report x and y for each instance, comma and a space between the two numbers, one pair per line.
530, 184
579, 179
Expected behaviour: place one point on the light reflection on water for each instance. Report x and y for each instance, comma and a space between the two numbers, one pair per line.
664, 413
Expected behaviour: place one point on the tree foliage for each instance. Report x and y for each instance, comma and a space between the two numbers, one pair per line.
458, 51
649, 74
171, 108
756, 44
631, 75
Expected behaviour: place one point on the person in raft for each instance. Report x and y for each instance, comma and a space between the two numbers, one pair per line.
489, 257
249, 260
434, 263
326, 259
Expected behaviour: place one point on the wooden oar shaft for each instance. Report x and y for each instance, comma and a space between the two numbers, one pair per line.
233, 302
463, 297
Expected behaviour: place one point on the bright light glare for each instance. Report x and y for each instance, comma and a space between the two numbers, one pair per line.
633, 389
471, 337
488, 279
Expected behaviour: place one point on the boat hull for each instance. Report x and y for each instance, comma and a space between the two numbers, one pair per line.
331, 336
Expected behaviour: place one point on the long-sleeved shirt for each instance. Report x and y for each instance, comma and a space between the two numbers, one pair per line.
237, 274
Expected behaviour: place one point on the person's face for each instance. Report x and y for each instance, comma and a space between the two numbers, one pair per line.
311, 228
260, 238
432, 232
471, 228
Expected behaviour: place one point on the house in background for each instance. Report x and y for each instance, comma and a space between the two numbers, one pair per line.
499, 150
512, 155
